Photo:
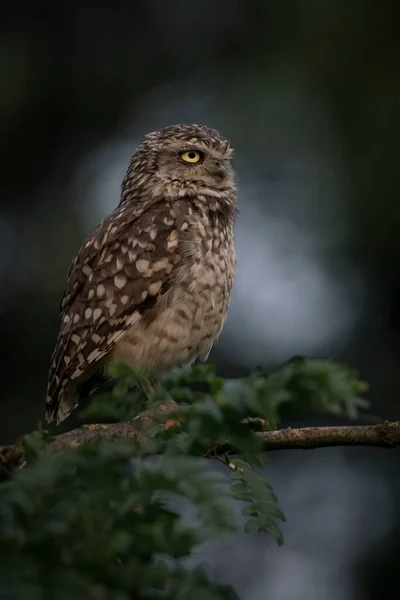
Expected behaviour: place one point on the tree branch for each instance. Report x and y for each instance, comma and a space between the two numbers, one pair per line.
386, 434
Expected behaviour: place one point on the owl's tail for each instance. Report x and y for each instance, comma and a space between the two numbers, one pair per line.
59, 409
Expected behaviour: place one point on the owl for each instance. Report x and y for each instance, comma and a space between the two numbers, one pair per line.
151, 285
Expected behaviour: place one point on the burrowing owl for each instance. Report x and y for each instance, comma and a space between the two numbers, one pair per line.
152, 284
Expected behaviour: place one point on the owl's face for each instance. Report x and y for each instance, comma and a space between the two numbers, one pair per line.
203, 161
180, 159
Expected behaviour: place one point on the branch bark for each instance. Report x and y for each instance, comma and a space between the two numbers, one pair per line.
385, 434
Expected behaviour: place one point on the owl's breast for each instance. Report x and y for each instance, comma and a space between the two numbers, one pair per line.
190, 315
206, 279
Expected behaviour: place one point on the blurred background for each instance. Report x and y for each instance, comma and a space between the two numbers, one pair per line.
308, 92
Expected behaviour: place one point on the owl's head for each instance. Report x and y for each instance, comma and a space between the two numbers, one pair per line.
181, 160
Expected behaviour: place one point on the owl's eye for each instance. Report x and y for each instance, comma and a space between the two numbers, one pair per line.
191, 156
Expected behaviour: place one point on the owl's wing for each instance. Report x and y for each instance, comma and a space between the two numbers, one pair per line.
121, 271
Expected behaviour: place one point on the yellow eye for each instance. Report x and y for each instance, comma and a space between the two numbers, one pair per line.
192, 156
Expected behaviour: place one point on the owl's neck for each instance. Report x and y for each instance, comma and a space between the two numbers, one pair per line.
218, 201
216, 208
203, 197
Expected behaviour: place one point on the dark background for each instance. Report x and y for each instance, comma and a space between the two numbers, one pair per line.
308, 92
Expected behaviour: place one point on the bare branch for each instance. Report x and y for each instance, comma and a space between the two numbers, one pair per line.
386, 434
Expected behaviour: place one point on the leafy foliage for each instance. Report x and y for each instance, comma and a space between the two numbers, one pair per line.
311, 384
93, 520
105, 520
261, 501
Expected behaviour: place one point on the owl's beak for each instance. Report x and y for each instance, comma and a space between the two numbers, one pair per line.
217, 171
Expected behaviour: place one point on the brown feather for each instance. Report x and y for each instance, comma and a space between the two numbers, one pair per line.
152, 283
108, 286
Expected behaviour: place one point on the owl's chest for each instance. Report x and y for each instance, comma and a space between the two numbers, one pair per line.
209, 257
206, 275
191, 314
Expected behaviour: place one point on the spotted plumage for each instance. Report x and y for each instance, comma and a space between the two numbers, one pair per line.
151, 285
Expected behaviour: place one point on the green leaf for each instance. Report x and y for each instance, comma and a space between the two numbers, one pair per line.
239, 487
252, 526
271, 528
249, 510
245, 496
270, 509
